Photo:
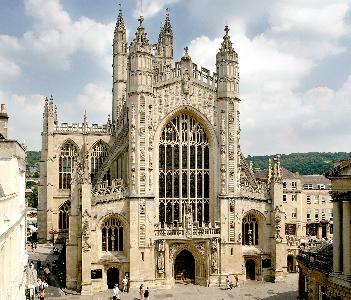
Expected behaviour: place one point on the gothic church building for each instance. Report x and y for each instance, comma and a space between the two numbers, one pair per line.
162, 191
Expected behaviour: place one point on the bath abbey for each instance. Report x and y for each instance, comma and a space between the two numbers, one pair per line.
162, 191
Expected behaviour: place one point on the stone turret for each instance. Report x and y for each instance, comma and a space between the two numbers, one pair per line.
227, 69
119, 67
3, 121
164, 46
140, 62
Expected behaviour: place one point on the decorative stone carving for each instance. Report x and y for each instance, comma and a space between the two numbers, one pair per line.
132, 150
86, 231
277, 221
160, 256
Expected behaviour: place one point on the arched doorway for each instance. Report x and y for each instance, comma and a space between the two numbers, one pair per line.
250, 269
290, 263
112, 277
184, 267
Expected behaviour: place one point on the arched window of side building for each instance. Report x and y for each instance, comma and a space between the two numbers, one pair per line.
64, 210
184, 171
97, 157
112, 234
68, 153
250, 232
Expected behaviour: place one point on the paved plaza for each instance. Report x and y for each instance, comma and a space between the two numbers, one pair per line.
286, 289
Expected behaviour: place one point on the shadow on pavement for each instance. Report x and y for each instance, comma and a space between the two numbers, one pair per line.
285, 296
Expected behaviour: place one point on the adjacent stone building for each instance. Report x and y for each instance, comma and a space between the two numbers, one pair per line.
162, 191
325, 272
13, 257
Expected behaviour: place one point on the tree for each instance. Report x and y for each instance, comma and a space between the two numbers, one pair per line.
33, 197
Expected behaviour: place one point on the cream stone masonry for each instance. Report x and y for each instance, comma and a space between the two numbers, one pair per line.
162, 191
13, 257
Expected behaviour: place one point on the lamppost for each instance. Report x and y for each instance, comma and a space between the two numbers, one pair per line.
53, 232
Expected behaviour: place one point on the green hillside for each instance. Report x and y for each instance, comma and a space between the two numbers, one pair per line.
304, 163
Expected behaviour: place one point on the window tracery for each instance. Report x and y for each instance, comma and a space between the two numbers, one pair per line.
68, 153
64, 210
97, 157
112, 234
250, 231
184, 171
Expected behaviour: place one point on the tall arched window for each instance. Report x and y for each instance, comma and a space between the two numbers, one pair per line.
97, 157
112, 234
67, 154
184, 171
250, 230
64, 210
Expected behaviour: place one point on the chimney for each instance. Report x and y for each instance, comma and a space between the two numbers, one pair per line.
3, 121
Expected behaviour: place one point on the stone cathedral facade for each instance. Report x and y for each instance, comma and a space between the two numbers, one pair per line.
162, 191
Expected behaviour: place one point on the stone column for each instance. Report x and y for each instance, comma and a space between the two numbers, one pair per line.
346, 236
337, 238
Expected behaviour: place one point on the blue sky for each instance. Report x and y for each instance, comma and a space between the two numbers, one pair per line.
295, 63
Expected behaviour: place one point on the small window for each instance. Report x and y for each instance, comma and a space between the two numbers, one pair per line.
308, 186
315, 200
323, 214
294, 213
284, 198
323, 199
293, 197
308, 199
294, 185
321, 186
316, 215
308, 217
284, 184
322, 293
330, 214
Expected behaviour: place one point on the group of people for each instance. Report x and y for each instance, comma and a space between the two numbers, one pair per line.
229, 284
144, 293
116, 292
40, 289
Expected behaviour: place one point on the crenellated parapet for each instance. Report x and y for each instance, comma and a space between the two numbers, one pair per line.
81, 128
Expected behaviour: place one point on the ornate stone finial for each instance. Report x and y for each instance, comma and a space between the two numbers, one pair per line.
227, 45
226, 29
85, 118
186, 55
120, 21
51, 99
141, 21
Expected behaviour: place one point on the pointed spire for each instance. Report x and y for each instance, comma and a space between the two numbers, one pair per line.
120, 21
167, 27
227, 45
85, 118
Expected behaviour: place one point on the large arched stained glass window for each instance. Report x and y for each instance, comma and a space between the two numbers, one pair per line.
97, 157
184, 171
64, 210
112, 234
250, 230
67, 155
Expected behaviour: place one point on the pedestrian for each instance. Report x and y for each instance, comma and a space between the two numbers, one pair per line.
147, 294
236, 280
125, 284
141, 291
228, 283
46, 273
37, 287
38, 265
116, 293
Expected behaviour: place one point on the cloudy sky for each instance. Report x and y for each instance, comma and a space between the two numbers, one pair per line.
295, 63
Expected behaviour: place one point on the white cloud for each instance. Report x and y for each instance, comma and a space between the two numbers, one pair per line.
96, 99
276, 117
151, 7
25, 117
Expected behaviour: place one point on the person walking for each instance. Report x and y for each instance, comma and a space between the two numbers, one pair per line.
125, 284
116, 293
147, 294
141, 291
